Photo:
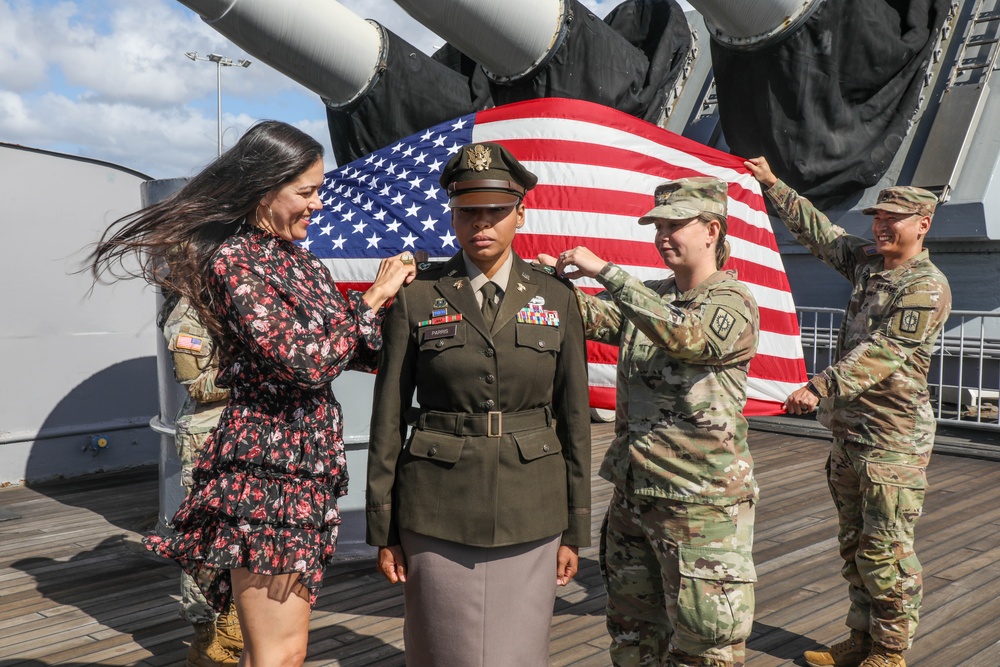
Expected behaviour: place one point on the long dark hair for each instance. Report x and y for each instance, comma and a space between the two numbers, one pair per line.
173, 240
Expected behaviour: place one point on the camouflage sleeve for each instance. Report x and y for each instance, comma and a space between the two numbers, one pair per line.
915, 318
195, 367
203, 388
830, 243
602, 321
723, 330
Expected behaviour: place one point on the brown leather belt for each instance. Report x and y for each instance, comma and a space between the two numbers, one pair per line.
489, 424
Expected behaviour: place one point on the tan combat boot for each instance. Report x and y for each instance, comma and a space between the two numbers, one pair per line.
883, 657
848, 653
205, 650
228, 632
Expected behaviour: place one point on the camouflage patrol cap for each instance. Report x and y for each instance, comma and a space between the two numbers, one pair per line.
904, 199
687, 198
485, 175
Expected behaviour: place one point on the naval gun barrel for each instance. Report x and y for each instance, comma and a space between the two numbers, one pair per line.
752, 22
508, 38
376, 86
318, 43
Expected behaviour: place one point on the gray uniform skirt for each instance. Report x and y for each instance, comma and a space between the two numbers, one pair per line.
471, 606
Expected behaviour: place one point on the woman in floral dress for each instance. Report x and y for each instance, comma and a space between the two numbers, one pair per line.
260, 524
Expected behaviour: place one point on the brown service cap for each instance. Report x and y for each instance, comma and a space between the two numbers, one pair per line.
688, 197
904, 199
485, 175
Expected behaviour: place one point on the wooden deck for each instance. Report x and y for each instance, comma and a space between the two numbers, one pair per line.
73, 593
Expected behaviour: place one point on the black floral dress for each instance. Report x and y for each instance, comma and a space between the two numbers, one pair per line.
268, 479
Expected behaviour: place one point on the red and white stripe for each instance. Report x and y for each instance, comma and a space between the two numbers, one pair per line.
597, 169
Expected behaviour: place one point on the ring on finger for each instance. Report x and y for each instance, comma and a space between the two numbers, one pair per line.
406, 258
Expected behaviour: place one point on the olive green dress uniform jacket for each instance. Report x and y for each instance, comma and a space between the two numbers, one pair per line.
452, 481
875, 393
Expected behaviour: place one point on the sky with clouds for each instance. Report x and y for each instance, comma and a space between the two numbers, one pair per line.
107, 79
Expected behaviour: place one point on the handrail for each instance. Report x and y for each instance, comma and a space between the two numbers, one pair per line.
964, 380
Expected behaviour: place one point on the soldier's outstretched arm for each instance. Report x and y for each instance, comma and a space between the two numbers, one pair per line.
915, 317
601, 318
724, 331
827, 241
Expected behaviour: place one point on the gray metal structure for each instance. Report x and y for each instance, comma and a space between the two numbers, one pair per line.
79, 367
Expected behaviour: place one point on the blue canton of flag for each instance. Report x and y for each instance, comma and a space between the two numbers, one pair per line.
390, 201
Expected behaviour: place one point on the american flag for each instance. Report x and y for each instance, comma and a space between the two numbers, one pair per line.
597, 169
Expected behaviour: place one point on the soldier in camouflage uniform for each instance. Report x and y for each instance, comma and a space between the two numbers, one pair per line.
218, 640
677, 539
875, 400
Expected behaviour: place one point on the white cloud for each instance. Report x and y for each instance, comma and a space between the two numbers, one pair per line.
22, 62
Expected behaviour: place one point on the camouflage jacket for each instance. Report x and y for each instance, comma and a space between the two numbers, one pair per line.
681, 386
875, 393
195, 368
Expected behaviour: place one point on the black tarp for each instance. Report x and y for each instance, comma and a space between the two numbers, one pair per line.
629, 61
412, 93
830, 103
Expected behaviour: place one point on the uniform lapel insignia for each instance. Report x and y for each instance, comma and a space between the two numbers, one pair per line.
458, 284
520, 287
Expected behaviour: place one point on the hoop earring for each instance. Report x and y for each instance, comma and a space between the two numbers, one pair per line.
270, 215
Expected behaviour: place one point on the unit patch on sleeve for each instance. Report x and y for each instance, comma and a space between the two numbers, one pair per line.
909, 321
722, 323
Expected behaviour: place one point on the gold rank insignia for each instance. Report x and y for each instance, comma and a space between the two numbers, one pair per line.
722, 323
908, 321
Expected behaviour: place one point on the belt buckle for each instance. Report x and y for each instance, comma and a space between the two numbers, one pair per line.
492, 432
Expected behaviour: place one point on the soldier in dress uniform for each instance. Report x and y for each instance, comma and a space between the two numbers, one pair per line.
479, 486
218, 640
677, 540
875, 400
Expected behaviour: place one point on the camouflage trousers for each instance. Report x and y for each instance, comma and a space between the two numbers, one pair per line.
194, 607
879, 496
679, 578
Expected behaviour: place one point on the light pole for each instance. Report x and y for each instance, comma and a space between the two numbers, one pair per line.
220, 61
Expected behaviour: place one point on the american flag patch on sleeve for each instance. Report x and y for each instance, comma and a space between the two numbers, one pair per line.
185, 342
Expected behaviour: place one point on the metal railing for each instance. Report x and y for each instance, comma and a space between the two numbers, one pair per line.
964, 380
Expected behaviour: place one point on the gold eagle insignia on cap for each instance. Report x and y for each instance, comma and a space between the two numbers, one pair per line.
479, 158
